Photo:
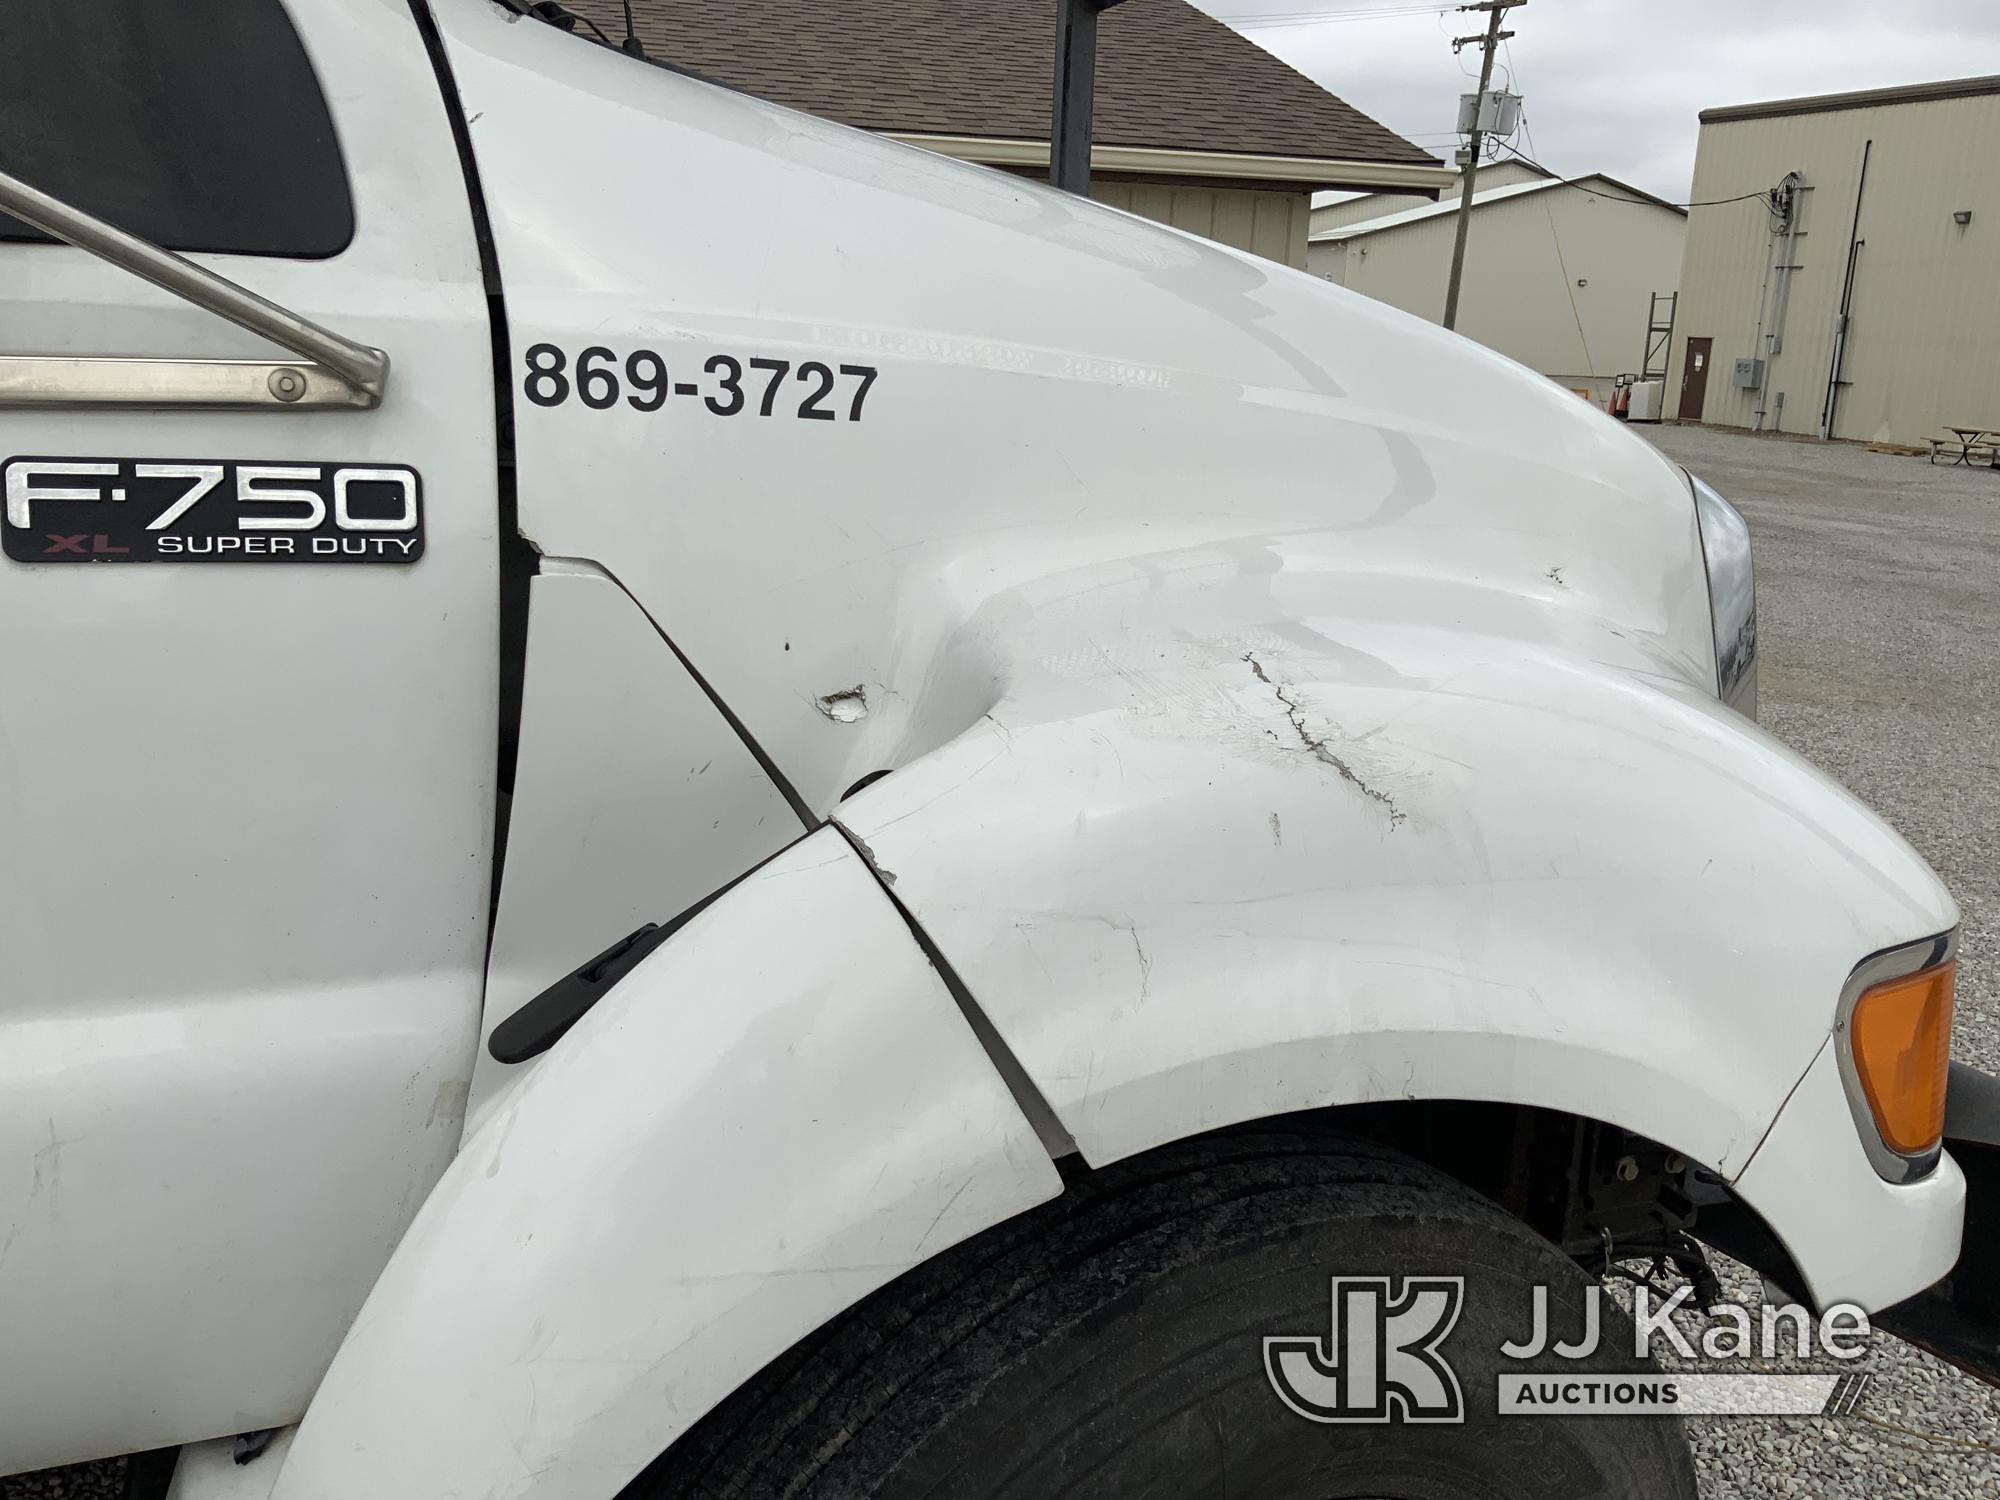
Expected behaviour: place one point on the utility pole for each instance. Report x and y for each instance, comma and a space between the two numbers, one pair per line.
1470, 156
1076, 84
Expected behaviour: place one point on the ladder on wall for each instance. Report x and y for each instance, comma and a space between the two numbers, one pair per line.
1659, 335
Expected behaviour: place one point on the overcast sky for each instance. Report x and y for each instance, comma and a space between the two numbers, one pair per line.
1614, 85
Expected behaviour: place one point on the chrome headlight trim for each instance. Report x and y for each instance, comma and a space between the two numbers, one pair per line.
1732, 596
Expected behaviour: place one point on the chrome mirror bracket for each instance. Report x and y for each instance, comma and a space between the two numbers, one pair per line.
330, 370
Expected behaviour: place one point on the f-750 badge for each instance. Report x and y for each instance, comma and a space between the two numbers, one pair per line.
121, 510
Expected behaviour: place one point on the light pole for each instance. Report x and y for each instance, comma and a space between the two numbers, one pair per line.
1075, 85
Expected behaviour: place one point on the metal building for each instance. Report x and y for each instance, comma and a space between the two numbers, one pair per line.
1842, 271
1561, 275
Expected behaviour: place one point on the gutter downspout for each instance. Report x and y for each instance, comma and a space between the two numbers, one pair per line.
1854, 244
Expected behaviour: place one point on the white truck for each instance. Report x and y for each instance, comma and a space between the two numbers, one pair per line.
691, 804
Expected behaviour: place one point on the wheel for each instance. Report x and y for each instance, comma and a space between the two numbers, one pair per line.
1111, 1344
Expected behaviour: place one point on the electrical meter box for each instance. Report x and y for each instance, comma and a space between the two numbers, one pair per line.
1748, 375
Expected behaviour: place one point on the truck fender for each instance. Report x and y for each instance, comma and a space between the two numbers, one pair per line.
776, 1113
1193, 885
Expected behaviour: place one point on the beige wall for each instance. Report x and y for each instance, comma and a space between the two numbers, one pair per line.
1375, 205
1268, 223
1516, 291
1923, 344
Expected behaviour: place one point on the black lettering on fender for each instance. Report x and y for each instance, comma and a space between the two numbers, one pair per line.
550, 377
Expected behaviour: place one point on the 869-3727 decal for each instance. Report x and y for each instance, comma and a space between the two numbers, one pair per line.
123, 510
727, 386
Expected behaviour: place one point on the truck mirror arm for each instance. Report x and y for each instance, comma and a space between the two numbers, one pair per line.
339, 372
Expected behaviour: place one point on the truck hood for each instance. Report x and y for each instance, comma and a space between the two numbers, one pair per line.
1077, 415
1287, 703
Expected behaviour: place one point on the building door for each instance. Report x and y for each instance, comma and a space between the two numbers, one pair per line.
1694, 379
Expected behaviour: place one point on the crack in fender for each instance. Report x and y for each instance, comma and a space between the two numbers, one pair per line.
886, 876
1318, 747
1131, 930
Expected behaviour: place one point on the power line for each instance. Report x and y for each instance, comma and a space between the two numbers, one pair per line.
1555, 236
1763, 194
1282, 19
1570, 181
1562, 263
1338, 12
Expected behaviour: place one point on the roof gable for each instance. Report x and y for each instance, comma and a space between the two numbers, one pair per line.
1332, 212
1167, 75
1618, 191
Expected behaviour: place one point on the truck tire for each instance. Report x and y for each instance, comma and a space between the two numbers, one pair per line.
1110, 1344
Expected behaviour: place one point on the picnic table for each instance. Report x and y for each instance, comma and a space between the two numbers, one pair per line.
1984, 441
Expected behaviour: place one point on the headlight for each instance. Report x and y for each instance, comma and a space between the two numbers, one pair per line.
1732, 597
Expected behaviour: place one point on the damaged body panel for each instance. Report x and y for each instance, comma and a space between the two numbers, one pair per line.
1179, 414
1258, 735
1229, 697
619, 1244
1196, 877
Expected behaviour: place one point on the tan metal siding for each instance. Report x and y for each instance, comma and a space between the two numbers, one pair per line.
1924, 337
1517, 293
1267, 223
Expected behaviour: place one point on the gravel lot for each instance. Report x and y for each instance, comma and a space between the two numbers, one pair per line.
1879, 612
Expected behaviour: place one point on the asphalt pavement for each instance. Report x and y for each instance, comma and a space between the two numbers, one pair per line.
1878, 621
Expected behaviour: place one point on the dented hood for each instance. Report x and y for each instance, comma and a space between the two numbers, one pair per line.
1085, 437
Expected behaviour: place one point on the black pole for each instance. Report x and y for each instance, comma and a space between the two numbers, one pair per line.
1075, 86
1854, 243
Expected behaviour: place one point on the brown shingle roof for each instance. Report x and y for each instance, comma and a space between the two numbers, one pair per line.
1167, 75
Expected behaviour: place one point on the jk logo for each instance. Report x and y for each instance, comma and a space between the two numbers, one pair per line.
1379, 1362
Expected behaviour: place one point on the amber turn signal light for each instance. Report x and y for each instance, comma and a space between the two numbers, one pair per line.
1900, 1036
